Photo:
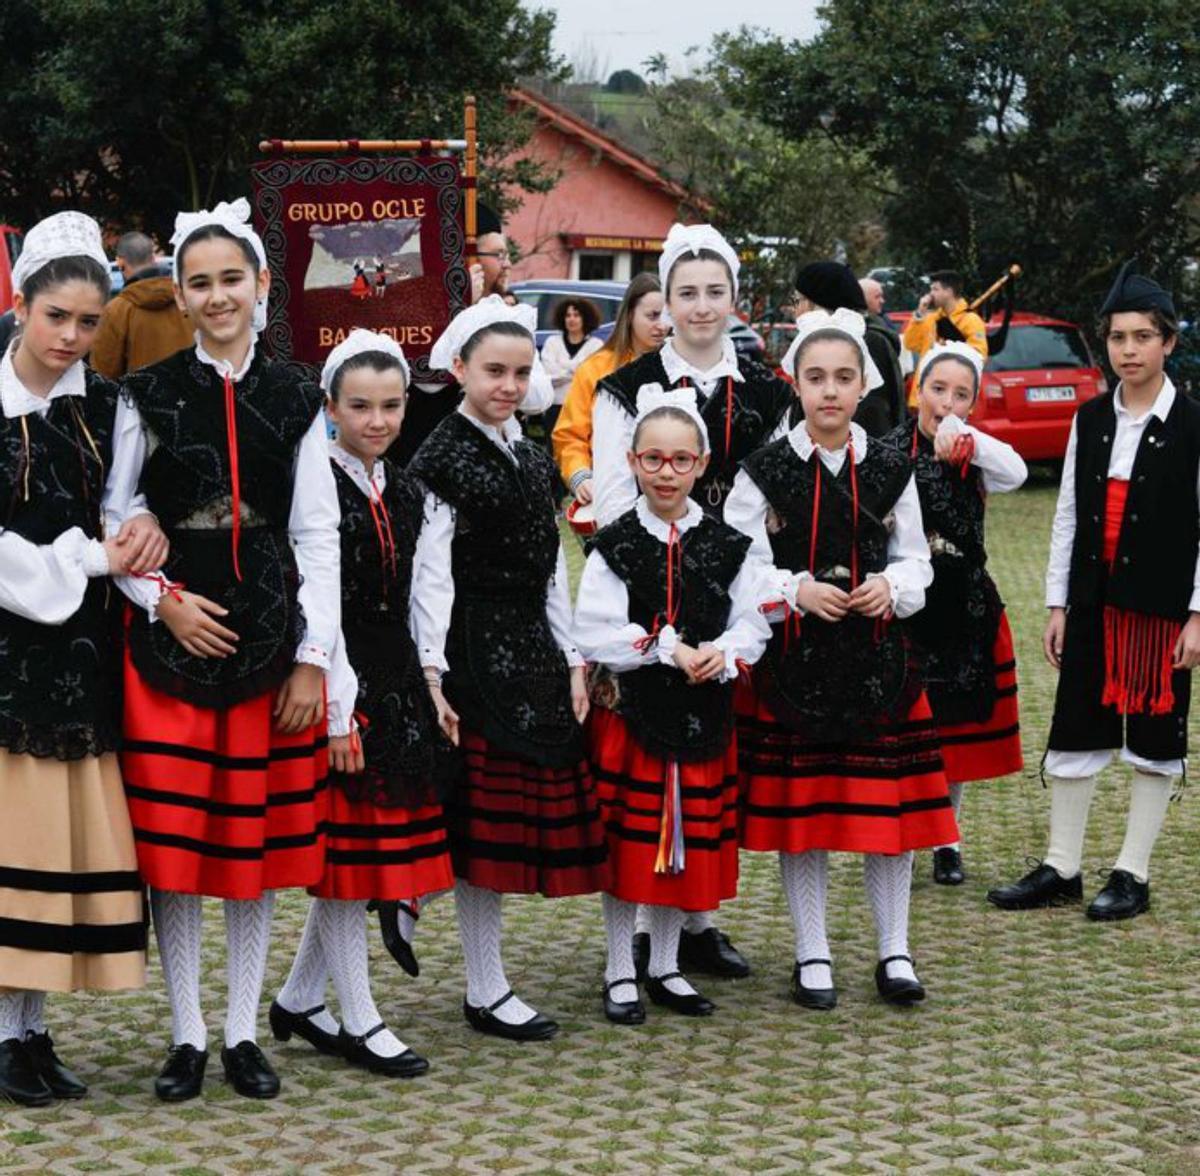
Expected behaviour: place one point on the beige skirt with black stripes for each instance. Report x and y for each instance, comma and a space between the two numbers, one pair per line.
72, 906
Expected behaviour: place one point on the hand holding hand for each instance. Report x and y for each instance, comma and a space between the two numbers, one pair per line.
192, 621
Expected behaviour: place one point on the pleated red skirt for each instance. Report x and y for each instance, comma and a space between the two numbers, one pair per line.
518, 828
383, 853
991, 749
630, 784
221, 803
882, 794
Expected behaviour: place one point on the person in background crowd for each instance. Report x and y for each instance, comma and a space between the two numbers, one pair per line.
142, 324
942, 316
830, 285
639, 329
574, 321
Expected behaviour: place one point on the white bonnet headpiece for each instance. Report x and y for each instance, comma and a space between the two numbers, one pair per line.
469, 322
653, 396
958, 350
65, 234
357, 342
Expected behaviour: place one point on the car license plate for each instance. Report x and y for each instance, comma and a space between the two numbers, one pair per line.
1042, 395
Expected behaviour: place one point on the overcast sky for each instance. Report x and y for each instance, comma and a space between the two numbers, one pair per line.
623, 33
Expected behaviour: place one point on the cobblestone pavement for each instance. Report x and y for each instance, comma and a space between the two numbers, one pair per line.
1048, 1043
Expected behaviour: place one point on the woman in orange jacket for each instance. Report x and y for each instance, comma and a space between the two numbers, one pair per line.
639, 328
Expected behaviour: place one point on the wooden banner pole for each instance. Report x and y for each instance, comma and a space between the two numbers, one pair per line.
320, 146
470, 177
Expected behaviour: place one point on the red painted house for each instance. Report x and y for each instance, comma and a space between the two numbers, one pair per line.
608, 214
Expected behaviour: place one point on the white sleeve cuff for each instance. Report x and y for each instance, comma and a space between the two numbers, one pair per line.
95, 559
312, 655
667, 640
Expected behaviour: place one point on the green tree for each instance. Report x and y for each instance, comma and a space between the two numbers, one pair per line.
782, 200
1063, 135
133, 109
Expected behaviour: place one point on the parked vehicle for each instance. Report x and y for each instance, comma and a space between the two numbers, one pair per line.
746, 340
545, 294
1033, 387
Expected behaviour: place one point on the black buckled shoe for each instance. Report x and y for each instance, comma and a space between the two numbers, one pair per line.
284, 1023
690, 1005
248, 1071
900, 991
1043, 886
183, 1074
623, 1012
62, 1082
947, 866
356, 1051
641, 954
1123, 897
812, 998
19, 1080
537, 1028
710, 953
399, 948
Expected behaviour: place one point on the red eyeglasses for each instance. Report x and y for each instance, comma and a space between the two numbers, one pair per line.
651, 461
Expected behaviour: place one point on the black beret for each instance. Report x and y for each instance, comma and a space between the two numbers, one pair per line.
487, 220
1134, 292
831, 285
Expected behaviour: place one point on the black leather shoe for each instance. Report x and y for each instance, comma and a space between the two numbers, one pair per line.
399, 948
691, 1005
356, 1051
947, 866
62, 1082
284, 1023
538, 1028
19, 1080
812, 998
1123, 897
710, 953
1043, 886
183, 1074
248, 1071
623, 1012
897, 992
641, 954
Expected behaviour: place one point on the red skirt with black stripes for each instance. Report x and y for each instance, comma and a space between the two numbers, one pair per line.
221, 803
885, 793
383, 853
519, 828
991, 749
631, 784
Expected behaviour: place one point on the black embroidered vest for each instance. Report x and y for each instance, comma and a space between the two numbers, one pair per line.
60, 684
408, 760
182, 403
759, 404
833, 681
1160, 533
669, 717
956, 630
508, 679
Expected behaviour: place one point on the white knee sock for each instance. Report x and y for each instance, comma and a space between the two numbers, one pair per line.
665, 925
12, 1015
1070, 801
177, 926
619, 920
406, 924
306, 982
805, 883
956, 796
34, 1012
697, 922
642, 926
1148, 800
247, 935
344, 940
889, 881
479, 927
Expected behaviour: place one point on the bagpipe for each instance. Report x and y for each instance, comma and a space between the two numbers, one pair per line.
996, 339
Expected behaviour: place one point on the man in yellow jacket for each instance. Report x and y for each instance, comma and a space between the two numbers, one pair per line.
942, 316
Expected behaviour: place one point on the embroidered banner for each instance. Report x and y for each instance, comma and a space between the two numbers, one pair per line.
361, 241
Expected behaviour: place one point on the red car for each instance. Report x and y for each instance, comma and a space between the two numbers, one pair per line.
10, 246
1032, 388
